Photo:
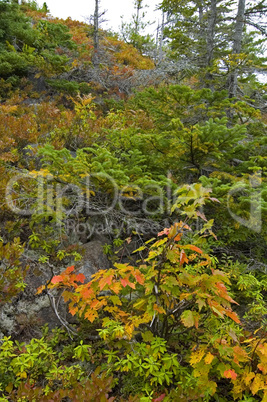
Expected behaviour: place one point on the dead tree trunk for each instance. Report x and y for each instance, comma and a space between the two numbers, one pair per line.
96, 34
237, 46
211, 32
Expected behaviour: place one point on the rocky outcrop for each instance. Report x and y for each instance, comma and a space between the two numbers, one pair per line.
28, 312
93, 259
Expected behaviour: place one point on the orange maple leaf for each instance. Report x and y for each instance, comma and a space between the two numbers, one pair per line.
105, 281
221, 286
139, 277
125, 282
40, 289
57, 279
80, 278
69, 270
91, 315
116, 287
230, 374
73, 310
262, 368
87, 292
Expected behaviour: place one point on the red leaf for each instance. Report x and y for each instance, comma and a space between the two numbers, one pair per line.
87, 293
233, 315
80, 278
69, 270
183, 257
230, 374
126, 282
164, 232
221, 286
194, 248
57, 279
139, 278
178, 237
160, 398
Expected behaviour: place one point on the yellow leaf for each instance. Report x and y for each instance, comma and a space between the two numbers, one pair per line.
91, 315
187, 318
249, 340
240, 355
116, 287
257, 384
9, 387
208, 358
249, 377
129, 330
262, 367
9, 108
257, 330
263, 349
159, 309
139, 304
23, 374
40, 289
196, 357
87, 101
264, 399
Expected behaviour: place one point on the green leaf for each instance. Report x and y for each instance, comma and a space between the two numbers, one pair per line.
187, 318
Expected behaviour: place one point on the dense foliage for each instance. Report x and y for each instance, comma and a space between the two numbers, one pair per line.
168, 165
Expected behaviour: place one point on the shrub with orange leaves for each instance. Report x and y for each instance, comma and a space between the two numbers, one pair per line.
176, 300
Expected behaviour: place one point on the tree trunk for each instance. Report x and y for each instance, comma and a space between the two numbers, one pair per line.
138, 5
237, 45
96, 34
160, 57
210, 32
137, 18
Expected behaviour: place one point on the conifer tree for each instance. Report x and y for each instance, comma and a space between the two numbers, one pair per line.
212, 38
133, 32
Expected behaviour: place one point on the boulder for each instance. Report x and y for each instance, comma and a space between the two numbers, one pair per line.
24, 316
93, 259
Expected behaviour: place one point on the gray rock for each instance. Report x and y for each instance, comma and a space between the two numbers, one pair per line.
28, 312
93, 259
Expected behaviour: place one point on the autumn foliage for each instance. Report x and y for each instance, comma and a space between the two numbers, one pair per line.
158, 162
178, 298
